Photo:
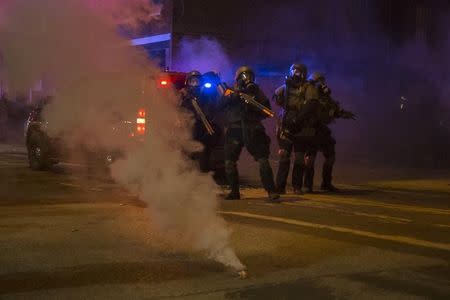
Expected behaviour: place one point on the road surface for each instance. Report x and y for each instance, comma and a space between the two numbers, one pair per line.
65, 237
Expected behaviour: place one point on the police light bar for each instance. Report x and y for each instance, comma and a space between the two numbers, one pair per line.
163, 82
207, 85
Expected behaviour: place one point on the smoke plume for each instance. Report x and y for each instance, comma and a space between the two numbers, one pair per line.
203, 54
129, 13
98, 80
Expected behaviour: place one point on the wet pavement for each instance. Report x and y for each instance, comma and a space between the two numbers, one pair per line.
66, 236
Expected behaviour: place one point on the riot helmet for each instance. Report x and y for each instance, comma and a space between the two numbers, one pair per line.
317, 77
193, 80
297, 73
245, 78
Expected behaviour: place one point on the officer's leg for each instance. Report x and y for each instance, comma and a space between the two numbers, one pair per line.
329, 154
204, 157
299, 165
258, 145
310, 159
284, 163
233, 147
266, 174
298, 171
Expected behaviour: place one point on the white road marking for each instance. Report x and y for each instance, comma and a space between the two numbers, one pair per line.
392, 238
361, 202
333, 207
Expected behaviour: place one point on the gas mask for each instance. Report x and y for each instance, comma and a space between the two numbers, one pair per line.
194, 84
297, 74
246, 81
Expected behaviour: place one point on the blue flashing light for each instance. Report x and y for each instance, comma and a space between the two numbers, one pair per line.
208, 85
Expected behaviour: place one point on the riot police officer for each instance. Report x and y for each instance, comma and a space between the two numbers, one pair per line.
244, 129
330, 111
298, 100
204, 129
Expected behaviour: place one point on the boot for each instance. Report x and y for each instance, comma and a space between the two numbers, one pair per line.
274, 197
233, 180
329, 187
298, 191
233, 195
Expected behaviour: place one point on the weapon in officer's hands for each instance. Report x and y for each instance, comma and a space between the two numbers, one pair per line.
249, 100
202, 116
337, 111
344, 114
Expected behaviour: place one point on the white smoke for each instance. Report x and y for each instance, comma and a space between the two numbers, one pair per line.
129, 13
203, 54
99, 78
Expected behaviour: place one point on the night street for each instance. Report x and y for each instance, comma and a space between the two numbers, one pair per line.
66, 237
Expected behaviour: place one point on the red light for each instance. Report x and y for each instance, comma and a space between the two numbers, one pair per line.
164, 82
141, 113
140, 121
140, 129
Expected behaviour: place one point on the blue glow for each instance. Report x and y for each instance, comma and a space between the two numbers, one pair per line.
208, 85
151, 39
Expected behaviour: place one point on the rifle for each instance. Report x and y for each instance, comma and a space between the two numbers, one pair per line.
250, 100
209, 129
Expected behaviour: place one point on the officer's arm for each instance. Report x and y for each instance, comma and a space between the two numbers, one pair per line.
226, 100
184, 97
278, 96
262, 98
311, 93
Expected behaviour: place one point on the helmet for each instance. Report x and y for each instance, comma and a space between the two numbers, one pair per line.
298, 72
244, 77
193, 79
317, 76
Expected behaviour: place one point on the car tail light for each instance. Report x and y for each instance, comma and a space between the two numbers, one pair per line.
140, 121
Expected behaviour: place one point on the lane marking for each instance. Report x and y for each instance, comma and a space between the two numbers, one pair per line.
334, 208
361, 202
391, 238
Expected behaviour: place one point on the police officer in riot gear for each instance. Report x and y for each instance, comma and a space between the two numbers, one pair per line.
298, 100
244, 129
200, 105
330, 110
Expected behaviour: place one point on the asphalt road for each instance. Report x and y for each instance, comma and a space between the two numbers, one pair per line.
63, 236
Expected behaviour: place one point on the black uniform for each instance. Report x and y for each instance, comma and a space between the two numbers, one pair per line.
296, 129
244, 129
329, 111
200, 134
